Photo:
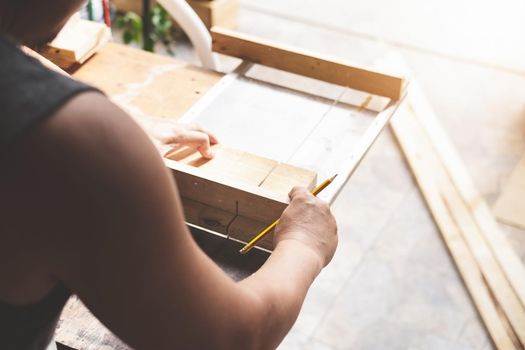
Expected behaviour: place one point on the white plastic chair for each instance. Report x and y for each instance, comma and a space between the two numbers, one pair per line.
192, 25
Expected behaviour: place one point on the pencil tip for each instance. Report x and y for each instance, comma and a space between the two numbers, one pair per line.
333, 177
245, 249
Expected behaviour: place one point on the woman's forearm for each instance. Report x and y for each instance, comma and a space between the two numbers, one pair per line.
281, 285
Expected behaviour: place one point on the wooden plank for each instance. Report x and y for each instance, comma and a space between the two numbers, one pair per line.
506, 256
79, 329
305, 63
208, 217
245, 200
430, 176
242, 167
510, 206
77, 41
224, 222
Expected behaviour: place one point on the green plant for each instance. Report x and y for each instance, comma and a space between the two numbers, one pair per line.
161, 29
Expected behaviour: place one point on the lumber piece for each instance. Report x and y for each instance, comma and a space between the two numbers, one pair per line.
79, 329
249, 201
505, 255
77, 41
510, 206
235, 165
203, 215
224, 222
432, 178
235, 193
305, 63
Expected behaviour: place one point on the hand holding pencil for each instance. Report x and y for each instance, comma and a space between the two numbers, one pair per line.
307, 220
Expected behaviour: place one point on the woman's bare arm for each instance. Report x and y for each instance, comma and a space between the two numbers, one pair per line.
108, 215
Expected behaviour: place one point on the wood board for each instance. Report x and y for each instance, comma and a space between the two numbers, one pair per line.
431, 178
305, 63
464, 219
510, 206
76, 43
236, 193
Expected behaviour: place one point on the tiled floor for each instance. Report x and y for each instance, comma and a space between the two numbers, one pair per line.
392, 284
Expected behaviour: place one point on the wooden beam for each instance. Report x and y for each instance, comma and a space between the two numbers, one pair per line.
235, 193
505, 255
245, 200
305, 63
433, 180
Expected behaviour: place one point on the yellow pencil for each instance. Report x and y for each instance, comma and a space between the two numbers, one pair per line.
261, 235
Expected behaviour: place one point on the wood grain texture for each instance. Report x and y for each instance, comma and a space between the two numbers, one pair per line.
224, 222
510, 206
79, 329
253, 202
305, 63
145, 83
284, 177
235, 193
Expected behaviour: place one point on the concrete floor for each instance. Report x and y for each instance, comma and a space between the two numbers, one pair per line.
392, 284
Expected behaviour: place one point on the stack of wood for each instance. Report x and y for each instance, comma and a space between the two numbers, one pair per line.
492, 271
221, 13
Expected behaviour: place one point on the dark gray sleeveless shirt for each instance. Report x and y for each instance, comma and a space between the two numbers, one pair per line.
29, 93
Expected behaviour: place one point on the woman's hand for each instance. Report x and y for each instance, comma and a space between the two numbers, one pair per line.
169, 136
309, 221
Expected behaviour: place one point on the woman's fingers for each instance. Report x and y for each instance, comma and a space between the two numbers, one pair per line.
194, 139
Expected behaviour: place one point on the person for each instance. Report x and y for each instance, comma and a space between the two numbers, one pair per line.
87, 207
